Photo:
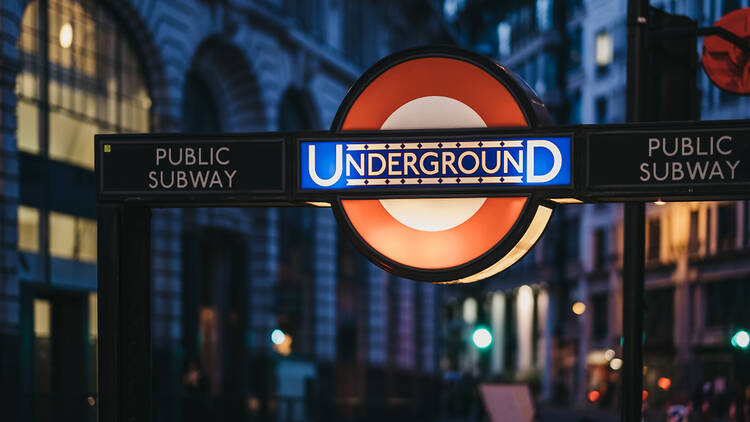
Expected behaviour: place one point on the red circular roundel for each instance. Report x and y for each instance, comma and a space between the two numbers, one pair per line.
441, 239
725, 63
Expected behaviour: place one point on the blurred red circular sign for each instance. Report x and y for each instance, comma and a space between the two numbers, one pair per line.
725, 63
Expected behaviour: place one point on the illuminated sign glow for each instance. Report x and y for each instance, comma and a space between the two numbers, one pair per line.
475, 162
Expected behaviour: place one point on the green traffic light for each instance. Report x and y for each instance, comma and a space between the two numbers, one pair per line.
482, 338
741, 339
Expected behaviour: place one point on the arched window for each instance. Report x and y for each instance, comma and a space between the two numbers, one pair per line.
79, 76
200, 114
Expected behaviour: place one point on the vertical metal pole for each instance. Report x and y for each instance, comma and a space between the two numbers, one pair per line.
124, 291
634, 229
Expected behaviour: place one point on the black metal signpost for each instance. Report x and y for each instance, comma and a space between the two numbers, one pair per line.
543, 166
610, 163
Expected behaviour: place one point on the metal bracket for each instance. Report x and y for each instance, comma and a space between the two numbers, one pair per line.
678, 33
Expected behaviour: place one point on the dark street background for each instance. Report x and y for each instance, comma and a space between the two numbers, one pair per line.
270, 314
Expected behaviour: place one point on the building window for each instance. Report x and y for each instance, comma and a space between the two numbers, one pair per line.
549, 64
659, 317
694, 239
576, 46
725, 303
653, 239
78, 76
726, 230
451, 8
601, 109
28, 229
574, 109
572, 238
308, 15
600, 248
200, 114
87, 76
503, 38
72, 237
573, 6
43, 345
530, 72
544, 14
354, 27
604, 50
600, 303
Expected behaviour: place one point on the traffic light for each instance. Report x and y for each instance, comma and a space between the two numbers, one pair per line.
482, 337
741, 339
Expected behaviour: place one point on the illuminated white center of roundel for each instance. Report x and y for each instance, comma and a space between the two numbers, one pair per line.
433, 214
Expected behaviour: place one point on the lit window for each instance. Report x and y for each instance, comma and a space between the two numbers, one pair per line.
503, 38
544, 14
61, 235
42, 318
604, 48
93, 326
653, 236
72, 237
28, 229
96, 86
28, 123
451, 8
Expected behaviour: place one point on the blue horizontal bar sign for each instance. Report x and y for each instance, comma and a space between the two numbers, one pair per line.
435, 164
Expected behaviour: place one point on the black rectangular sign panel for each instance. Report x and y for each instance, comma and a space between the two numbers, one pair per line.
590, 163
669, 161
181, 168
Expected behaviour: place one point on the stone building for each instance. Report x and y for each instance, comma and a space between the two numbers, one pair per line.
356, 342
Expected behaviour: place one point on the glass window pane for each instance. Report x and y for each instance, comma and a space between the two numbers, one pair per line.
86, 230
42, 314
96, 84
93, 339
42, 344
28, 229
72, 237
27, 42
61, 235
72, 139
27, 84
28, 127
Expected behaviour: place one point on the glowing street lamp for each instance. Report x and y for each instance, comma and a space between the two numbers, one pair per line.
579, 308
278, 337
482, 338
741, 339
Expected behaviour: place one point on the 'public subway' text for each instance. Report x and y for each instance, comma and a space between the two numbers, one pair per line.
192, 178
691, 165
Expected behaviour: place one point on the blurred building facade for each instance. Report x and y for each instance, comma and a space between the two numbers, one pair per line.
352, 342
573, 53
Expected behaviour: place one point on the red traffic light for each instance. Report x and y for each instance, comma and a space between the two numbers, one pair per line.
725, 63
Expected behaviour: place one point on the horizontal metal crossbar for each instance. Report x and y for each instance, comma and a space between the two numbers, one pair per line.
586, 163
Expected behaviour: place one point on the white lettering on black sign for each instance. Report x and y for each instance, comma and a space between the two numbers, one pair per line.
677, 150
196, 176
690, 158
175, 169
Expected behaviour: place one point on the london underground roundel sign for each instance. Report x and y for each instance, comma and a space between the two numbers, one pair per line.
441, 239
725, 63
